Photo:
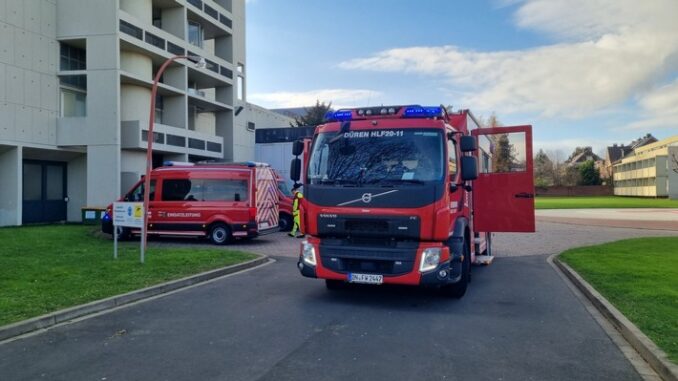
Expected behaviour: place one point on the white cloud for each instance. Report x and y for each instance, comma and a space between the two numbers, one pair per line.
659, 108
607, 51
339, 97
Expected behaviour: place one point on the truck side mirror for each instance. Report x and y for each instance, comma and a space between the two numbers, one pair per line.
469, 168
297, 147
468, 143
295, 169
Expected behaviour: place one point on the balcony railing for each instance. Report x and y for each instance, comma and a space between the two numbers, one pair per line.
172, 48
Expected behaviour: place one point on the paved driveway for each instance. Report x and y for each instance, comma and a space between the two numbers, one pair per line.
519, 321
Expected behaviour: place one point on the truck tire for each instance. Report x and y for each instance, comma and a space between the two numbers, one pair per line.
457, 290
285, 222
220, 233
333, 284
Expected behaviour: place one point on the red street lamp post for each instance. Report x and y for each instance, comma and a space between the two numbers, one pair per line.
199, 62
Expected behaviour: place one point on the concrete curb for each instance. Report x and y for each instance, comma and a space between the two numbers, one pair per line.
648, 350
57, 317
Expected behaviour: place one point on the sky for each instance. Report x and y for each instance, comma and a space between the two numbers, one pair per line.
581, 72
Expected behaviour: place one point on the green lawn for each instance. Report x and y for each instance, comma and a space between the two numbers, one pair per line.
47, 268
581, 202
640, 277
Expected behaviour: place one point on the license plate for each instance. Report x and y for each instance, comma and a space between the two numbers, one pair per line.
366, 278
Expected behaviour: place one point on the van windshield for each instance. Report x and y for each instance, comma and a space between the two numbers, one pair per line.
137, 193
377, 157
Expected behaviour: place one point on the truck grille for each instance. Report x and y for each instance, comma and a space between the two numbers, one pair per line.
368, 260
366, 226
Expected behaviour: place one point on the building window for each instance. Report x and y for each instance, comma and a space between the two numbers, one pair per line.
159, 108
157, 17
73, 95
131, 30
196, 33
72, 58
250, 126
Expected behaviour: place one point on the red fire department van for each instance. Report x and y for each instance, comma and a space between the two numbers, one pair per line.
217, 201
410, 195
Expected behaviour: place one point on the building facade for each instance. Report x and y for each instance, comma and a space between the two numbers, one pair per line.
649, 171
75, 90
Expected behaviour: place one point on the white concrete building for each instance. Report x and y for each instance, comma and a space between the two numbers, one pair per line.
75, 85
649, 171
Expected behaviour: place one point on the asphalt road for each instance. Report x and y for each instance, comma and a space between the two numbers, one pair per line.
518, 321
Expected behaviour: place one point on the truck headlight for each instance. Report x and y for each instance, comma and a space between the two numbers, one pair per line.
429, 259
308, 253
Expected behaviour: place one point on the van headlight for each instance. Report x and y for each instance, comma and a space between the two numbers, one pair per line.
429, 259
308, 253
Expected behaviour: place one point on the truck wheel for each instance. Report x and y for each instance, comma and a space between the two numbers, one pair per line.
220, 234
457, 290
285, 222
333, 284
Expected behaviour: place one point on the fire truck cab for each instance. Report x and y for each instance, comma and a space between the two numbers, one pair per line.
410, 195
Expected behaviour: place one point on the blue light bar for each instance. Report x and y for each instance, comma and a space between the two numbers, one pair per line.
422, 112
339, 115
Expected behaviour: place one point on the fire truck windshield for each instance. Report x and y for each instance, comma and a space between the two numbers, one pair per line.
379, 157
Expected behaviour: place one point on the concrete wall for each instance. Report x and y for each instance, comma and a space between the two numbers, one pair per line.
10, 186
77, 187
28, 64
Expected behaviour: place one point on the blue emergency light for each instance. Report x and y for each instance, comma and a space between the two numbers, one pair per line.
422, 112
413, 111
339, 115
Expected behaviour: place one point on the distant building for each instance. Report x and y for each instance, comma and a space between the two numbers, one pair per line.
585, 155
650, 170
616, 152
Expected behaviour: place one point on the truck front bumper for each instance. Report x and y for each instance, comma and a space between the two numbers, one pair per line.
338, 267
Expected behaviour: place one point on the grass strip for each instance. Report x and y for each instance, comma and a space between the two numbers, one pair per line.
48, 268
585, 202
640, 278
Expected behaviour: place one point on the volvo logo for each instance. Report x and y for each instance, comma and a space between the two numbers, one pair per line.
367, 197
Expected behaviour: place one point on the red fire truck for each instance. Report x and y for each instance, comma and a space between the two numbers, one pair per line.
219, 201
410, 195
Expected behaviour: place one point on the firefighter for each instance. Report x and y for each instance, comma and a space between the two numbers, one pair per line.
296, 213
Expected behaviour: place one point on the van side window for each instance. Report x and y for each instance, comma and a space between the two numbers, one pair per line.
204, 190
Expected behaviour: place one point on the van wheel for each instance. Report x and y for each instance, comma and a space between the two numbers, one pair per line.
457, 290
124, 233
285, 222
220, 234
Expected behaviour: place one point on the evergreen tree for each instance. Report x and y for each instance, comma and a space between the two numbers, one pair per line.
589, 174
314, 115
543, 169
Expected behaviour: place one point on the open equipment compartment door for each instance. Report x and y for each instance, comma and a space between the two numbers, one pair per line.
267, 199
503, 193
